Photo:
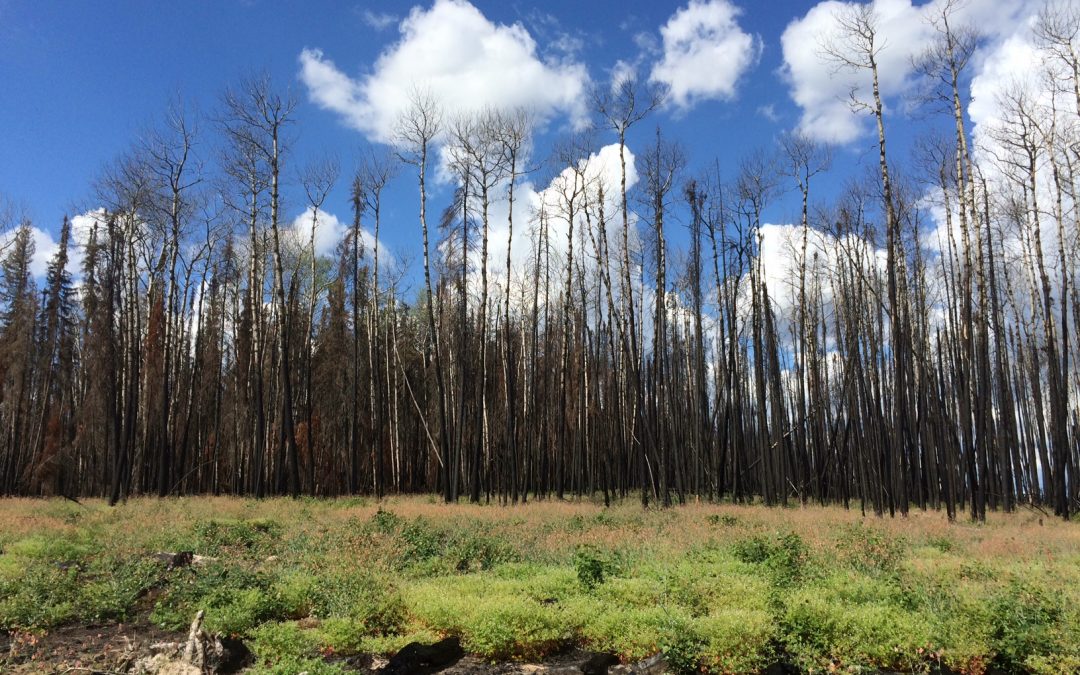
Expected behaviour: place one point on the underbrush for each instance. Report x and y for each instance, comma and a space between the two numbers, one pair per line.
719, 589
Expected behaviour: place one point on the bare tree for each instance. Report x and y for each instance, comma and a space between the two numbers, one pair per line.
257, 116
620, 107
318, 180
417, 130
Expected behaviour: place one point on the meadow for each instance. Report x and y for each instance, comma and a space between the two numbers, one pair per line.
720, 588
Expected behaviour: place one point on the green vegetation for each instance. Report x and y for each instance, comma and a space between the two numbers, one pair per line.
715, 588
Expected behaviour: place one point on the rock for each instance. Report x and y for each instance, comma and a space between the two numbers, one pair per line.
416, 658
378, 663
654, 665
174, 560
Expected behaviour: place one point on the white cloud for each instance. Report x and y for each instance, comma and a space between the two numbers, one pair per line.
329, 232
705, 52
780, 251
379, 20
822, 90
46, 244
601, 167
84, 223
1010, 63
1014, 62
45, 247
464, 60
647, 42
622, 72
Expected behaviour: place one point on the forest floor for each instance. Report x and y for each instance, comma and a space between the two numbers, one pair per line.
338, 586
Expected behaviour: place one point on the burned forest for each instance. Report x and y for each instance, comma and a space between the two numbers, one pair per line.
634, 327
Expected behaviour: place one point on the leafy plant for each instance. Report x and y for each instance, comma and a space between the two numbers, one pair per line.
783, 555
870, 549
244, 537
235, 600
594, 566
1025, 621
682, 648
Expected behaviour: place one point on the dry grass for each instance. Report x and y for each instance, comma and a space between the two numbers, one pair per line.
821, 586
549, 525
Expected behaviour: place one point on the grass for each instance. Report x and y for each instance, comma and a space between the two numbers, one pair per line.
716, 588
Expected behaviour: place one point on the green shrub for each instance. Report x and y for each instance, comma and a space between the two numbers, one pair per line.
605, 519
44, 597
238, 537
47, 584
1026, 622
476, 552
387, 644
114, 585
723, 519
737, 640
783, 555
682, 647
385, 522
594, 566
273, 642
429, 549
870, 549
941, 543
373, 603
56, 550
422, 542
292, 665
590, 566
632, 632
855, 620
235, 600
495, 617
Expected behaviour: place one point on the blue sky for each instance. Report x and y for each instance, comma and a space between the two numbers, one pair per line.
81, 79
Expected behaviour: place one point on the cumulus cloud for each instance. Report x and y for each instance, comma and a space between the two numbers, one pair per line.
1009, 66
1013, 63
822, 88
705, 52
780, 248
329, 232
599, 168
44, 248
465, 61
46, 244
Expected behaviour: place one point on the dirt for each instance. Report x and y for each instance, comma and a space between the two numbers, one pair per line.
109, 650
112, 649
90, 650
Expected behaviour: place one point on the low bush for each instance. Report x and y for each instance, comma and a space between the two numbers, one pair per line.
869, 549
784, 556
246, 538
496, 618
234, 599
48, 583
855, 620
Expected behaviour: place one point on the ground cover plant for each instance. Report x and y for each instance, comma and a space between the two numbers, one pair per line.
715, 588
